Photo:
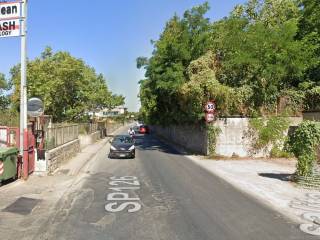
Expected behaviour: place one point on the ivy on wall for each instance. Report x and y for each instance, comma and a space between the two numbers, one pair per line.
213, 132
269, 132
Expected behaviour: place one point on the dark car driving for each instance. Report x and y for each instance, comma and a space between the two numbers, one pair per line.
122, 146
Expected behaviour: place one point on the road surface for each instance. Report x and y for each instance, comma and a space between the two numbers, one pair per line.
159, 195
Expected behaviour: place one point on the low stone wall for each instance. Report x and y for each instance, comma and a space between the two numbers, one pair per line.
190, 137
86, 140
58, 155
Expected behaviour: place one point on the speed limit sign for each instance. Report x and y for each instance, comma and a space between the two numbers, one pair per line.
210, 107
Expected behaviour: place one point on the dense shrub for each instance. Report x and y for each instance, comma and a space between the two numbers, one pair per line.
312, 100
303, 144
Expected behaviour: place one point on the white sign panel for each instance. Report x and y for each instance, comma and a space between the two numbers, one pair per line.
210, 107
9, 28
10, 10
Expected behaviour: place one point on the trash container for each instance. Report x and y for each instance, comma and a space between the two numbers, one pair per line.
8, 163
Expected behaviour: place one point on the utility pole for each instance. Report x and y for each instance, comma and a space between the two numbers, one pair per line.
23, 83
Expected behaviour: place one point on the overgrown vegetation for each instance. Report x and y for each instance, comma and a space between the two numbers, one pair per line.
303, 144
263, 59
213, 132
268, 135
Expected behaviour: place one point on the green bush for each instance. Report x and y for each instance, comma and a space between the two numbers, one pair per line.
312, 100
303, 144
279, 153
267, 132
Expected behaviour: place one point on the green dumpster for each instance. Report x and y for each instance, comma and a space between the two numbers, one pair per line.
8, 163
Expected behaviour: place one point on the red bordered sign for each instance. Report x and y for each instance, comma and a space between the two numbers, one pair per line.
210, 107
209, 117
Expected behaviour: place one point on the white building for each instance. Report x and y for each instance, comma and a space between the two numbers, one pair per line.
120, 110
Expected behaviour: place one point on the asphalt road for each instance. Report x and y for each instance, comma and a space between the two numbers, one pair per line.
160, 195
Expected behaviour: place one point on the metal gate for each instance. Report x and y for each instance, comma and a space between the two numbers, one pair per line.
10, 137
29, 151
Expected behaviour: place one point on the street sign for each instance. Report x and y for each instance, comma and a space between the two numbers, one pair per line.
210, 107
9, 28
10, 14
10, 10
35, 107
209, 117
13, 23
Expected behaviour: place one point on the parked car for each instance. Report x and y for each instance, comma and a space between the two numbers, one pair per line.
122, 146
144, 129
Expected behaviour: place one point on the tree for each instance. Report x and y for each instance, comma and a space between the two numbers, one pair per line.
183, 40
68, 87
309, 32
4, 100
248, 62
267, 59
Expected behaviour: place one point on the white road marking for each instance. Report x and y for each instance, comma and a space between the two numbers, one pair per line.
121, 200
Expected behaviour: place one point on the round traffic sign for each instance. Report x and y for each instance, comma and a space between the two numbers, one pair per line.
210, 106
209, 117
1, 168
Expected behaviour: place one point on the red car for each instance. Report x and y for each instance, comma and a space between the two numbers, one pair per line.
143, 129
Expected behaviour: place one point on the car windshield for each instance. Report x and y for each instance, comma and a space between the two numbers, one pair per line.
122, 139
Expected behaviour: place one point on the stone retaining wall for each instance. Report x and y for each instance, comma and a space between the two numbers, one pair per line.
58, 155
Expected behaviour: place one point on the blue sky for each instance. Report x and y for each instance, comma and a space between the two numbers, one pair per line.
108, 34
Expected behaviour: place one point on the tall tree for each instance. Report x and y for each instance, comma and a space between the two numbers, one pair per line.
309, 32
248, 62
183, 40
68, 87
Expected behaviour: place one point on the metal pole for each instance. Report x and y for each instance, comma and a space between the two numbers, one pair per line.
23, 83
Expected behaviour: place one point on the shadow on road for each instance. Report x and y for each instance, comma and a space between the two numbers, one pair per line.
280, 176
150, 142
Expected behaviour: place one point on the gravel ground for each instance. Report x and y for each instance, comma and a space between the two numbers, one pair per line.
266, 180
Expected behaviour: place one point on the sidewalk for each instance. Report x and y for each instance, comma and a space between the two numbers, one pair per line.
39, 193
269, 182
